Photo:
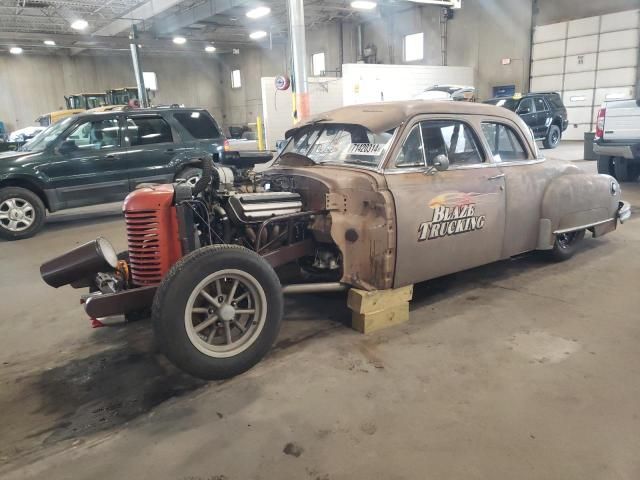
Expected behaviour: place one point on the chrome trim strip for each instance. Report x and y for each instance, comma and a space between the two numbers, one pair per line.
581, 227
522, 162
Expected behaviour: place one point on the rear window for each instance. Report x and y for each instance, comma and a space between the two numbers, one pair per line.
555, 101
198, 124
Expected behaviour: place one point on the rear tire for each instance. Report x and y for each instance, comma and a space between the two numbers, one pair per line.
218, 311
565, 245
553, 137
605, 165
22, 213
190, 174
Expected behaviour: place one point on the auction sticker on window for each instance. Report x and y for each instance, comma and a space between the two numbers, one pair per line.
373, 149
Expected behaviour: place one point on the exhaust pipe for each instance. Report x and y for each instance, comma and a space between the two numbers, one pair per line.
300, 288
79, 266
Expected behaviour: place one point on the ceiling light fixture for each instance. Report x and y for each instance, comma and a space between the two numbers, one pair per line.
50, 43
79, 24
258, 12
179, 40
210, 48
258, 35
363, 5
15, 50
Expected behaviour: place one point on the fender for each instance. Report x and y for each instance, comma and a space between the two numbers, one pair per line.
189, 159
577, 201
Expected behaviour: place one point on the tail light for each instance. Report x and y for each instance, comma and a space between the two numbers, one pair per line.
227, 147
600, 123
152, 233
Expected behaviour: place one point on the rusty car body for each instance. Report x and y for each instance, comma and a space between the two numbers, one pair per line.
374, 196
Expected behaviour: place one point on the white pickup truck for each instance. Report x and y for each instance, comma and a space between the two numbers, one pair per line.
617, 140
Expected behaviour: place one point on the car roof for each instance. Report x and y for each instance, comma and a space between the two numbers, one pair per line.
383, 116
140, 111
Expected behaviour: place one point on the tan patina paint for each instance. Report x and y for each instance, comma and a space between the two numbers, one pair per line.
511, 207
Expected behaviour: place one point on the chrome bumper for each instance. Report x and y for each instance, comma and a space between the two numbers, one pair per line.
624, 211
613, 150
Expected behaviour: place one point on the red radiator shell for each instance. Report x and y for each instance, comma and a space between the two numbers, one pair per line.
152, 233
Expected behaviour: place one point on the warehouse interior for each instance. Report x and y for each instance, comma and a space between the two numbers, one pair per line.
519, 367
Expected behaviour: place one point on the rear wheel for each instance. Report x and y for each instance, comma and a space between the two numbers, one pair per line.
566, 244
605, 165
553, 137
22, 213
218, 311
190, 175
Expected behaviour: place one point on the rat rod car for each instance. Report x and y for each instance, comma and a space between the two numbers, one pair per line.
374, 196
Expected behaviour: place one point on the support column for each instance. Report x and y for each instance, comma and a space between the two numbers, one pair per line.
299, 59
137, 67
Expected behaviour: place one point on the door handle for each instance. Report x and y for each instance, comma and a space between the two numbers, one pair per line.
111, 157
496, 177
169, 150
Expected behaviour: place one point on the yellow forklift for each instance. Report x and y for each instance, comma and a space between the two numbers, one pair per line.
86, 101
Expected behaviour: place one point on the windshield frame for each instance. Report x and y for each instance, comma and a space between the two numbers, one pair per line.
377, 167
58, 126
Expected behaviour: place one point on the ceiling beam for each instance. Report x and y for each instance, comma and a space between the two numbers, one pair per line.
195, 14
92, 42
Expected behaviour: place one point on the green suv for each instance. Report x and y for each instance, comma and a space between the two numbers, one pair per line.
94, 158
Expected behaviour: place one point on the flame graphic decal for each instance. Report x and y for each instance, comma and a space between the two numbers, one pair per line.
453, 199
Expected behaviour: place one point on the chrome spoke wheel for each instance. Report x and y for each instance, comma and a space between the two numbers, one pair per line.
16, 214
225, 313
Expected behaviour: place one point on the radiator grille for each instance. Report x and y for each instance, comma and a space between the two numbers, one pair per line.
145, 250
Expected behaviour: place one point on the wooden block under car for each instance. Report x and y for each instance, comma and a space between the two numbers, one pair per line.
370, 322
371, 311
362, 301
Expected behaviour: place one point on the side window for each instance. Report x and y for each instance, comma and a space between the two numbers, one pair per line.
198, 124
526, 106
95, 135
412, 152
148, 131
540, 105
451, 138
504, 142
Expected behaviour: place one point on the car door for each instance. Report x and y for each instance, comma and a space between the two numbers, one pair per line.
526, 179
449, 220
543, 117
527, 112
88, 164
153, 146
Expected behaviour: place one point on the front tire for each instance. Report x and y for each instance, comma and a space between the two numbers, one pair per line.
553, 137
218, 311
565, 245
22, 213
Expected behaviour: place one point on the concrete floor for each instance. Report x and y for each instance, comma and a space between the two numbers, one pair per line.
520, 369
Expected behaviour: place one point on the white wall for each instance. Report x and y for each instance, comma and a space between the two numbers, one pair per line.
364, 83
277, 108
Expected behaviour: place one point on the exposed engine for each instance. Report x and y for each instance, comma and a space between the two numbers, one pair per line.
227, 205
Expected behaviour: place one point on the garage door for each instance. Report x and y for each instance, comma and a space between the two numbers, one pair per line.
588, 60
